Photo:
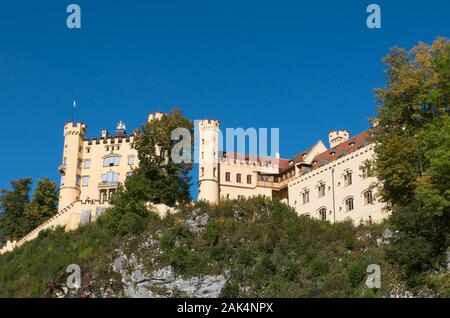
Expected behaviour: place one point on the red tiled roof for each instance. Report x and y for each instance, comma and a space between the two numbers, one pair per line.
354, 143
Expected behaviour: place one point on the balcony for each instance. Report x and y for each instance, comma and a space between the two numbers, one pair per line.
62, 168
273, 184
108, 184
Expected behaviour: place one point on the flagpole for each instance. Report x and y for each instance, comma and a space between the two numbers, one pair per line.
73, 111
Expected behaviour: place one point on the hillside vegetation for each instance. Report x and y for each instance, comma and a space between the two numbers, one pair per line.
262, 248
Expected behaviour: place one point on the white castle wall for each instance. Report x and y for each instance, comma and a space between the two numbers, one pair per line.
335, 170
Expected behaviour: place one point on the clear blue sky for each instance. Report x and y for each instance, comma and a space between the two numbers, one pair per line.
306, 67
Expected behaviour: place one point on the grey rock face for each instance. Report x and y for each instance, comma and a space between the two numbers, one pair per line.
163, 282
197, 222
385, 237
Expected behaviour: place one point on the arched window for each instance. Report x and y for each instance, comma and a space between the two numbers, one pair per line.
323, 214
368, 199
349, 204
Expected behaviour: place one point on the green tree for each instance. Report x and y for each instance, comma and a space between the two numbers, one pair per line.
44, 203
169, 182
158, 179
12, 205
412, 146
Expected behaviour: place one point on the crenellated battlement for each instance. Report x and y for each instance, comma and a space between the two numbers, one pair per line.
336, 137
206, 124
75, 129
249, 160
109, 140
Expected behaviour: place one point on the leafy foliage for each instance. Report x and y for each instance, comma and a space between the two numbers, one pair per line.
265, 248
19, 215
412, 146
158, 179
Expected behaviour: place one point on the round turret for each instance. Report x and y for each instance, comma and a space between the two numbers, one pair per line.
70, 167
208, 184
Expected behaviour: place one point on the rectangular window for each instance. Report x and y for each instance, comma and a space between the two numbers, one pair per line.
111, 161
238, 178
85, 181
321, 190
305, 197
79, 162
348, 178
130, 160
77, 180
249, 179
110, 177
228, 177
365, 172
87, 164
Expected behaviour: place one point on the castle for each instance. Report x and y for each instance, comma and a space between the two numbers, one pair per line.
329, 184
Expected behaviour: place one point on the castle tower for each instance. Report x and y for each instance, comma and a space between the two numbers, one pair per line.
208, 181
70, 168
337, 137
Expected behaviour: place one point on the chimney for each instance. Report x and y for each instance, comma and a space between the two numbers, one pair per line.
337, 137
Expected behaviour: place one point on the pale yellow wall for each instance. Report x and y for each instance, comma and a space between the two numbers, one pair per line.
232, 189
310, 180
72, 151
96, 155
